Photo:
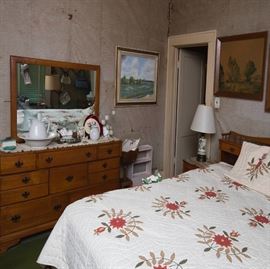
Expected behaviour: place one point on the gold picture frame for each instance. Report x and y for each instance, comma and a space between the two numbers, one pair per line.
136, 76
240, 66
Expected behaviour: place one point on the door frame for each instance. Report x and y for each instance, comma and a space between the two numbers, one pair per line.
207, 38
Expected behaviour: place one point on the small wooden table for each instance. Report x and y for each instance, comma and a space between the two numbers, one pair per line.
192, 163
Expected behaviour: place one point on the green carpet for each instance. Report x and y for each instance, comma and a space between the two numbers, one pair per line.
25, 254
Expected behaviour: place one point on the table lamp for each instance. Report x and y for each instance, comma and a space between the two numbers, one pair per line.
204, 123
52, 83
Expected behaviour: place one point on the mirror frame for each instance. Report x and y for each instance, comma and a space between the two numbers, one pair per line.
14, 60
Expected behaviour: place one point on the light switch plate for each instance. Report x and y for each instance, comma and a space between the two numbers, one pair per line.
217, 102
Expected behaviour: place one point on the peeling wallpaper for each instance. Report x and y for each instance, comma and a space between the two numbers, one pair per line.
87, 31
228, 17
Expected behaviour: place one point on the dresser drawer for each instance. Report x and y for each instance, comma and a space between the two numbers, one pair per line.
67, 177
66, 156
103, 165
104, 176
28, 214
23, 194
23, 179
16, 163
109, 151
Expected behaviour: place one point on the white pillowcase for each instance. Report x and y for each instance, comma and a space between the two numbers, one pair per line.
252, 167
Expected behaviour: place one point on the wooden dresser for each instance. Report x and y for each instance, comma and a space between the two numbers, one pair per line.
36, 186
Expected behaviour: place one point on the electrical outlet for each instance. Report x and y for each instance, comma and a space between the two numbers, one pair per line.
217, 102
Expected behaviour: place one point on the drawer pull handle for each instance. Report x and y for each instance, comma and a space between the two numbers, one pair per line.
69, 178
231, 149
15, 218
19, 164
104, 177
109, 151
25, 194
88, 154
25, 180
104, 165
57, 207
49, 159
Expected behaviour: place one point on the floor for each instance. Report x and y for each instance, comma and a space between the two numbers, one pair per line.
24, 255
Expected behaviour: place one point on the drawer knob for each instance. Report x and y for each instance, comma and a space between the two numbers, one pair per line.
104, 165
25, 194
88, 154
57, 207
109, 151
25, 180
69, 178
18, 164
104, 177
49, 159
232, 149
16, 218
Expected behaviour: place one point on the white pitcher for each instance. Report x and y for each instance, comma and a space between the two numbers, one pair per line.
38, 129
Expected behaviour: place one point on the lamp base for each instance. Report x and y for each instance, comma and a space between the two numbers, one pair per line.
201, 158
201, 155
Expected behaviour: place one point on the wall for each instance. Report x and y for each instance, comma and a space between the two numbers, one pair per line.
228, 17
87, 31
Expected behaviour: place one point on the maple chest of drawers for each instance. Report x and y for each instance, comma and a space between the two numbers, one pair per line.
36, 186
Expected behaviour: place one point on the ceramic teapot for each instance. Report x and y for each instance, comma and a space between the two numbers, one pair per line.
38, 129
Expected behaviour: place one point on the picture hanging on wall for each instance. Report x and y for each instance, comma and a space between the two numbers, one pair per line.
240, 66
267, 96
136, 76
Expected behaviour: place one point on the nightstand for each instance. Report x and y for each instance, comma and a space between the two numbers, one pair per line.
192, 163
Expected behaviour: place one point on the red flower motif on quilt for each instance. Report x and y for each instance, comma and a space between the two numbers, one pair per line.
172, 208
160, 261
124, 223
259, 167
262, 219
257, 217
160, 267
234, 184
222, 240
99, 230
211, 193
117, 222
222, 243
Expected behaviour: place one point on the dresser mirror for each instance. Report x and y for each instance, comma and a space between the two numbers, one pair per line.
64, 92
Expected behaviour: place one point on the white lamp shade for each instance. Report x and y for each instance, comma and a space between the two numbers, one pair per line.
52, 83
204, 121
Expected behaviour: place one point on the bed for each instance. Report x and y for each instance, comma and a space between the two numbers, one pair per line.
200, 219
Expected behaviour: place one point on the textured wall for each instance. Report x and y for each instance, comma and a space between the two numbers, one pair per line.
43, 29
228, 17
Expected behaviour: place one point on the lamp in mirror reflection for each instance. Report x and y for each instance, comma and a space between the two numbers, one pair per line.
204, 123
52, 83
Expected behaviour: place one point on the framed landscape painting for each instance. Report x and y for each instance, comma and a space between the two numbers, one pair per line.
240, 66
136, 76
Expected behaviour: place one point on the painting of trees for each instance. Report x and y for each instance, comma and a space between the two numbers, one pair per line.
241, 61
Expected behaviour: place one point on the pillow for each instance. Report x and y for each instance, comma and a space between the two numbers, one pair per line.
252, 167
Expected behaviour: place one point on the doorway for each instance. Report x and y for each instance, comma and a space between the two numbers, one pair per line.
191, 77
206, 39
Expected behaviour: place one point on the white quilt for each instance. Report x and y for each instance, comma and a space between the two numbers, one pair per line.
198, 220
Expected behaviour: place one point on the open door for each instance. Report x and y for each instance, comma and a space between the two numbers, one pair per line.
191, 92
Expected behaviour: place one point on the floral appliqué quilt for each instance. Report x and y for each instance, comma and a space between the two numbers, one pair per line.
200, 219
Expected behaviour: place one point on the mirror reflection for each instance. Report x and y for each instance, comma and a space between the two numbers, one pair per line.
43, 87
58, 93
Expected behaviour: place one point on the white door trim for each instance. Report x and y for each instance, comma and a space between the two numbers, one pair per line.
208, 39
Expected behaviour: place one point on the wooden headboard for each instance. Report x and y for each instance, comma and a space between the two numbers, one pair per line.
230, 145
